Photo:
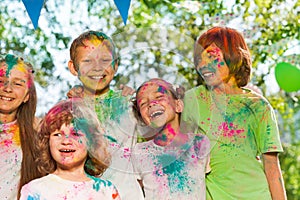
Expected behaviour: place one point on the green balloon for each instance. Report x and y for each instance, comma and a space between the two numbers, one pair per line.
287, 77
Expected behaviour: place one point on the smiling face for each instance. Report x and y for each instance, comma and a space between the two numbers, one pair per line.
68, 147
212, 67
157, 106
14, 86
95, 66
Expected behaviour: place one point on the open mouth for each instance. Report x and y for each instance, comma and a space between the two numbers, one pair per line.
66, 150
96, 78
6, 98
207, 74
156, 114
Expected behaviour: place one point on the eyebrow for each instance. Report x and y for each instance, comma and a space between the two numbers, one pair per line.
19, 79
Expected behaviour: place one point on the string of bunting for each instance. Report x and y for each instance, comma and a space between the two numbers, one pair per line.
34, 7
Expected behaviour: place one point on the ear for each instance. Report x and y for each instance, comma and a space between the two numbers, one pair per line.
72, 68
26, 98
179, 106
116, 67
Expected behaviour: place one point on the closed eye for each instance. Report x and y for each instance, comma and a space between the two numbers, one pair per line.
18, 83
77, 133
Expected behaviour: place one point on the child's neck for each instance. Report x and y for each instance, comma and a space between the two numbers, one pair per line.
72, 175
169, 135
6, 118
228, 87
95, 94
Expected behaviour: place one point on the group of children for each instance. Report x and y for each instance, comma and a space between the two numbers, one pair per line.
86, 147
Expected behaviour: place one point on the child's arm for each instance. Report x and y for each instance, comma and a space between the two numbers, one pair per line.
76, 91
274, 176
126, 90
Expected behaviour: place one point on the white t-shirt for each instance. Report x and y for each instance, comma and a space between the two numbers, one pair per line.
114, 112
10, 160
170, 173
52, 187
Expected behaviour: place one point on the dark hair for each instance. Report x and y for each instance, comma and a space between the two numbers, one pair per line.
177, 92
26, 120
90, 35
234, 49
73, 111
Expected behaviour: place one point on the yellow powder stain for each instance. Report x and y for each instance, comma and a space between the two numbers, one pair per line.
95, 41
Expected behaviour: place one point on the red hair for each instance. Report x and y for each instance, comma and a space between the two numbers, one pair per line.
234, 49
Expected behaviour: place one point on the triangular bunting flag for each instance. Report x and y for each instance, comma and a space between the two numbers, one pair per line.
123, 7
33, 8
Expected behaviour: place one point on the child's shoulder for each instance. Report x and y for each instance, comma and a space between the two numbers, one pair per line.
99, 182
196, 93
43, 181
254, 99
201, 144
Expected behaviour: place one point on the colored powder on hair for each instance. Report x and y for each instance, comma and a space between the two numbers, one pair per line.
21, 67
81, 124
162, 90
11, 61
95, 40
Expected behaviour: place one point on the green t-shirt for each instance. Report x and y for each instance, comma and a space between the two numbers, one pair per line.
240, 128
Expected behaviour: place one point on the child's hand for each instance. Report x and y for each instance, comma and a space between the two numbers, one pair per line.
126, 90
76, 91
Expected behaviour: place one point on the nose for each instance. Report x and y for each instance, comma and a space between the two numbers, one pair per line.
7, 86
98, 66
153, 103
66, 140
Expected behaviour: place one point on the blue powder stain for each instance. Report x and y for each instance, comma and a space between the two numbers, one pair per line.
175, 171
37, 197
162, 89
162, 137
81, 124
98, 182
111, 139
11, 61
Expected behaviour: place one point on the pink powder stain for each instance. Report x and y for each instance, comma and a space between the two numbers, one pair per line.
126, 152
229, 131
170, 129
2, 72
7, 142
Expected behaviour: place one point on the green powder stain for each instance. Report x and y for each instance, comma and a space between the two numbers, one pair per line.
268, 129
11, 61
112, 107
